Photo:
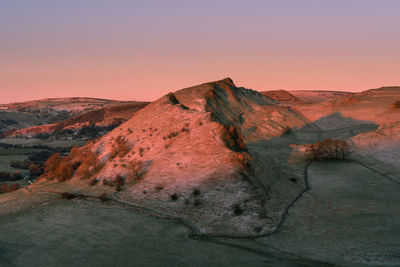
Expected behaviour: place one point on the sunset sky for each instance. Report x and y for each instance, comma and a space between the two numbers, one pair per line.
140, 50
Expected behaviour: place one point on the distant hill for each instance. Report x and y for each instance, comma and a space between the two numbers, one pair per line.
49, 111
72, 105
280, 95
317, 96
97, 121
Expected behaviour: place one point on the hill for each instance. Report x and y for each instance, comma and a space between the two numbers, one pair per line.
280, 95
48, 111
96, 122
72, 105
201, 150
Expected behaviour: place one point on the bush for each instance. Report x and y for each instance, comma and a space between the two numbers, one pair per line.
174, 197
80, 161
173, 134
328, 149
14, 187
52, 163
35, 170
4, 188
196, 192
16, 176
197, 202
237, 209
64, 171
67, 195
4, 176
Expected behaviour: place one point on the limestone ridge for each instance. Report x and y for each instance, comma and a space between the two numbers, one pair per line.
215, 138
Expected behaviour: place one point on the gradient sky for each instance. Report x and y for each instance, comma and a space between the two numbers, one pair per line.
141, 50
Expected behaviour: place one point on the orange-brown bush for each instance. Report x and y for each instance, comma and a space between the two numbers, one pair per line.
233, 138
13, 187
4, 188
52, 162
328, 149
80, 161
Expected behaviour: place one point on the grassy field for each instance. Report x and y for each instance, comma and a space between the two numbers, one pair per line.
5, 163
80, 233
350, 217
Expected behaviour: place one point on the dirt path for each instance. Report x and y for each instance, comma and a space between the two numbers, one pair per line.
350, 216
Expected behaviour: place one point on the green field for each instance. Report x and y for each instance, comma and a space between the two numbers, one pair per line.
81, 233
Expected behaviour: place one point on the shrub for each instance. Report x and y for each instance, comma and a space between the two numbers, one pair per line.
328, 149
257, 229
174, 197
80, 161
196, 192
4, 176
64, 170
185, 129
16, 176
35, 170
237, 209
13, 187
52, 163
119, 182
93, 182
287, 131
4, 188
197, 202
67, 195
173, 134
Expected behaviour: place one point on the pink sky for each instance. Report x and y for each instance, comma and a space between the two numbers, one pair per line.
140, 50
